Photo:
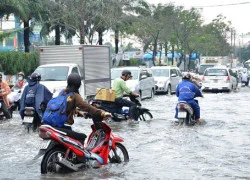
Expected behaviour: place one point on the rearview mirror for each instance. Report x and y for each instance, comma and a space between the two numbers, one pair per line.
143, 76
173, 75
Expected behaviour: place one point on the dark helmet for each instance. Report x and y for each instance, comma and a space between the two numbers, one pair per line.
126, 72
21, 73
186, 75
74, 81
35, 76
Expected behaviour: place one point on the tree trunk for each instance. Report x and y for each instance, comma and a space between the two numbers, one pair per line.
26, 36
82, 35
172, 59
154, 52
189, 61
155, 48
116, 41
160, 55
184, 62
180, 60
57, 35
166, 53
100, 37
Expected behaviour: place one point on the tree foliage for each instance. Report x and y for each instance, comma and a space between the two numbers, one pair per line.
156, 27
14, 62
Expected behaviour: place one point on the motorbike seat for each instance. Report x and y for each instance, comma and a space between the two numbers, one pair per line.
73, 134
186, 106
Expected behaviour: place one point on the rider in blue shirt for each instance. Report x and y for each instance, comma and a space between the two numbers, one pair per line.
187, 91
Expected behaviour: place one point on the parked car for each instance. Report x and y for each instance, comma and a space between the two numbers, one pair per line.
166, 78
219, 79
142, 81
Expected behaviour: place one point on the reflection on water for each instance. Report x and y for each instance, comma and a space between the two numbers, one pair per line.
219, 149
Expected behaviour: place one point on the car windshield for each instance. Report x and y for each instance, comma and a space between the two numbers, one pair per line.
243, 70
216, 72
202, 68
55, 73
160, 72
116, 73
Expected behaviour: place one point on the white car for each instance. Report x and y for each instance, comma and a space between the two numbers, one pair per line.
166, 78
141, 83
219, 79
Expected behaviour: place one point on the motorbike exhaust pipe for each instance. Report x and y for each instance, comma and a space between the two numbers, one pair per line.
74, 167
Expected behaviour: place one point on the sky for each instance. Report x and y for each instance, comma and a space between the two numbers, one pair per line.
236, 11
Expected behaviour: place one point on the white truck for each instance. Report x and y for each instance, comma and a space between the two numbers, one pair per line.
92, 63
209, 61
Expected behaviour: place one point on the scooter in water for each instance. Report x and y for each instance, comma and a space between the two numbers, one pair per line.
1, 112
29, 113
64, 149
185, 114
121, 113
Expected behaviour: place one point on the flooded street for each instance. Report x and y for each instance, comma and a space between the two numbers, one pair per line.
218, 149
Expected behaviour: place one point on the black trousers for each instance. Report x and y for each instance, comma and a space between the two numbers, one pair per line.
5, 110
132, 107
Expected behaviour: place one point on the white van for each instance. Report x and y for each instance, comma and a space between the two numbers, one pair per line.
166, 78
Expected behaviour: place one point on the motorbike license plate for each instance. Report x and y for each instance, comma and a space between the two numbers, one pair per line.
44, 144
182, 114
27, 119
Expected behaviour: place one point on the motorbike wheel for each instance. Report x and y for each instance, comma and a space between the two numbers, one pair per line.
146, 116
118, 155
181, 121
49, 163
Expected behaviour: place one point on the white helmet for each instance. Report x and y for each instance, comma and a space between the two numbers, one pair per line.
186, 75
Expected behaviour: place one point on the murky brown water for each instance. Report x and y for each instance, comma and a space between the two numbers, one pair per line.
219, 149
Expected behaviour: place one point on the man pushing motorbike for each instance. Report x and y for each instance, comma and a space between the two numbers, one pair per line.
120, 88
187, 91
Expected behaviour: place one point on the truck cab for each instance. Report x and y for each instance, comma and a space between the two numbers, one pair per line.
54, 76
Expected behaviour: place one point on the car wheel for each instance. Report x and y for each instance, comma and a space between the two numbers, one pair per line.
231, 88
169, 92
152, 93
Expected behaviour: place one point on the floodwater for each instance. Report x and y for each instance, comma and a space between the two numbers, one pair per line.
218, 149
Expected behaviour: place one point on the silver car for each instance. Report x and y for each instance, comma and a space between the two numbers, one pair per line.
219, 79
141, 83
166, 78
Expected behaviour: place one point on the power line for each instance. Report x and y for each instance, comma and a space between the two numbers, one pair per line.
219, 5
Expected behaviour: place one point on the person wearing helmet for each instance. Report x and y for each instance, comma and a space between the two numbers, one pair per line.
121, 88
15, 95
34, 95
75, 103
187, 91
20, 81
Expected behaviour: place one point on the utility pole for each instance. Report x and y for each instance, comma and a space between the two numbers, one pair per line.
234, 36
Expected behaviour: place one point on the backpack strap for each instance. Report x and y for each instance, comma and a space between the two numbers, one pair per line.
68, 94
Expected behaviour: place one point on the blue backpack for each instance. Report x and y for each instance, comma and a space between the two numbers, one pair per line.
55, 113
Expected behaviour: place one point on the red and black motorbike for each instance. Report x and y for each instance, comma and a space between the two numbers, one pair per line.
65, 150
